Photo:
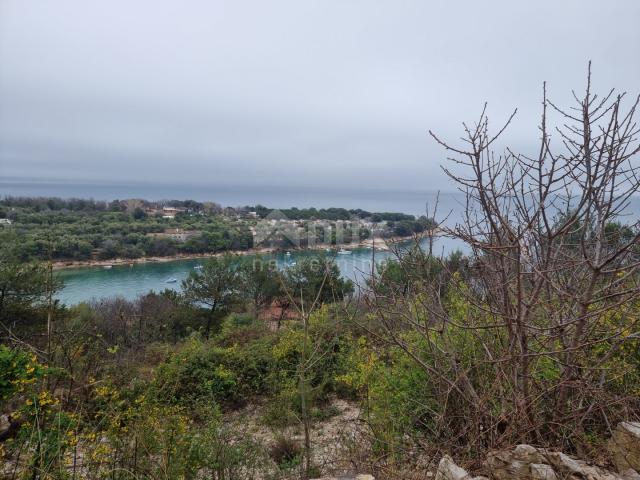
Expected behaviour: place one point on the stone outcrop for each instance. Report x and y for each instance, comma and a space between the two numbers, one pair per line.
529, 463
525, 462
624, 446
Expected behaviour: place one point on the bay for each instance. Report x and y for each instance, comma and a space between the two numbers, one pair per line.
89, 283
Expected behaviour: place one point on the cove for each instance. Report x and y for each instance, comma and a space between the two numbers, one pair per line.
88, 283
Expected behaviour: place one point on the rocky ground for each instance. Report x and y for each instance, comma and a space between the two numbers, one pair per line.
333, 439
525, 462
340, 448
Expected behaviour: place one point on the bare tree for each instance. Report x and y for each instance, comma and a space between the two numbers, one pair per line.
553, 283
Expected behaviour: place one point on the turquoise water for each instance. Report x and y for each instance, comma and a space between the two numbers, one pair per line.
84, 284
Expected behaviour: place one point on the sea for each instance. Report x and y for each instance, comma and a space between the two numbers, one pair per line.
415, 202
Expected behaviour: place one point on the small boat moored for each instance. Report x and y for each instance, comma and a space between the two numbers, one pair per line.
342, 251
107, 267
172, 280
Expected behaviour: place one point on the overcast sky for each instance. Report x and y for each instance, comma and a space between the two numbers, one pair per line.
332, 92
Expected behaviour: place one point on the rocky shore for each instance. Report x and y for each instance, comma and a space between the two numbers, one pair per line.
380, 244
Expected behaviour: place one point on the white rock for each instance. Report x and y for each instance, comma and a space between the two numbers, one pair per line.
448, 470
542, 471
529, 463
630, 474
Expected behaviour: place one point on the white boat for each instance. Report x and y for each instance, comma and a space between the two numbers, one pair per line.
342, 251
288, 254
107, 266
198, 267
172, 280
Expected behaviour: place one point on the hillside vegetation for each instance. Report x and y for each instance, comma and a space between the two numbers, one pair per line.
79, 230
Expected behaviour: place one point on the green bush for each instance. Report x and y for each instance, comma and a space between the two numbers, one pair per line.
147, 439
226, 375
199, 372
395, 394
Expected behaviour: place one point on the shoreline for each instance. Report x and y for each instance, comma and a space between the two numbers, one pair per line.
381, 244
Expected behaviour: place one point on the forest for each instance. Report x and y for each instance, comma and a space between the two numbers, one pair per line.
80, 229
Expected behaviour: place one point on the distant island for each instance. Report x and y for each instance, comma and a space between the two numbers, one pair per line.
73, 232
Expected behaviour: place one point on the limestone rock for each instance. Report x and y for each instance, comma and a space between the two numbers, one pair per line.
529, 463
526, 462
542, 471
448, 470
624, 446
630, 474
516, 463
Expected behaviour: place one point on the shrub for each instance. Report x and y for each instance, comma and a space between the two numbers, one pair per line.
17, 370
151, 440
395, 395
200, 372
226, 375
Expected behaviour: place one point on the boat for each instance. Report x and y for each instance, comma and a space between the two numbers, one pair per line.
288, 254
293, 264
172, 280
342, 251
107, 266
198, 267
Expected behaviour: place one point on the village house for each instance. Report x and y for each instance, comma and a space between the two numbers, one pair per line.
153, 211
171, 212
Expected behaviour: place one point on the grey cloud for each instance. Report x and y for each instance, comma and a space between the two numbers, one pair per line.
311, 92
